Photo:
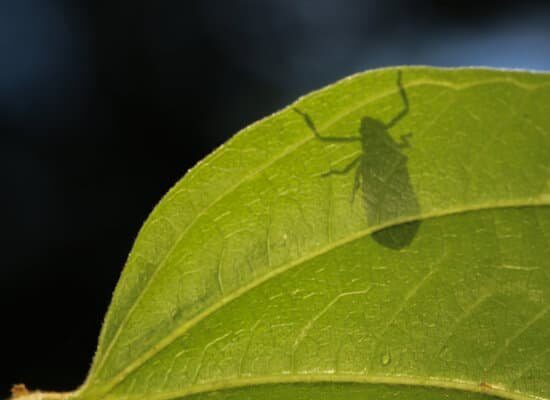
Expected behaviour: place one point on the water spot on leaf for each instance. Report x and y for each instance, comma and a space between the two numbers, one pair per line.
386, 358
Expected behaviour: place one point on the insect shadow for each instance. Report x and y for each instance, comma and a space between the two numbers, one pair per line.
382, 175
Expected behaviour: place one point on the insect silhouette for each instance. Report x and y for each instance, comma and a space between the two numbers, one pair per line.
382, 175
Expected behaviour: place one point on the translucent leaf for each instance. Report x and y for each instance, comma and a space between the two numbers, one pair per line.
386, 236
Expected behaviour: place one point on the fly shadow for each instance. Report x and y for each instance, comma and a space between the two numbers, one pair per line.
382, 175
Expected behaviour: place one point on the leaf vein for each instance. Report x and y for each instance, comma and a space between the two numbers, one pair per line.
187, 325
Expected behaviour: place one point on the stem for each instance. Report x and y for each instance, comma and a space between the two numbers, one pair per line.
20, 392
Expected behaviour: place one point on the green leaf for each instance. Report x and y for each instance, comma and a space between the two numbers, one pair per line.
384, 237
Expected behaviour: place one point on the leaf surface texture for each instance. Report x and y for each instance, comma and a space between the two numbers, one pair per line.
385, 236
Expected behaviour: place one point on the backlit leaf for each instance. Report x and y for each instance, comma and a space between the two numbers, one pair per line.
385, 237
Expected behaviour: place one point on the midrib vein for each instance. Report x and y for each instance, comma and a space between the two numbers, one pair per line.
289, 150
189, 324
411, 381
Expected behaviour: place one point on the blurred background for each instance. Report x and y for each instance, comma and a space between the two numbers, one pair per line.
104, 105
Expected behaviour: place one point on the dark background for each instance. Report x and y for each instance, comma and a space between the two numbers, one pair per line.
105, 104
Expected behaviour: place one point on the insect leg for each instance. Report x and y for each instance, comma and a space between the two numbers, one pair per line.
344, 170
311, 126
405, 110
405, 144
356, 182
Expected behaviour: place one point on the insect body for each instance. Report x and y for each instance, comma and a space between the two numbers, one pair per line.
382, 175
